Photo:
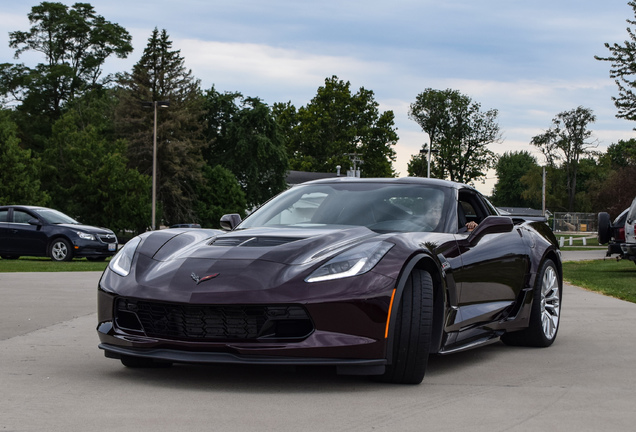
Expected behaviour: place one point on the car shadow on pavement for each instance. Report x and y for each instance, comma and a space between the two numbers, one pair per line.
302, 379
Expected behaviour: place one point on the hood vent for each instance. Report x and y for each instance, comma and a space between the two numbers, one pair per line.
261, 241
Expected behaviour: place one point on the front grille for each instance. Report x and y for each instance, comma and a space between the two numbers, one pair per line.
107, 238
212, 322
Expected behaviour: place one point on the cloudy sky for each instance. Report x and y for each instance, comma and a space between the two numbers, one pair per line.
530, 60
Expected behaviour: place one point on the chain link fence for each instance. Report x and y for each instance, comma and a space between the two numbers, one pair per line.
575, 222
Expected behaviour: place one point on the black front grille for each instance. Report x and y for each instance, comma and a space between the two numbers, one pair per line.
108, 238
212, 322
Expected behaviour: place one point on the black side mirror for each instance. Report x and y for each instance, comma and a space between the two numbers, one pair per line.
230, 221
34, 221
490, 225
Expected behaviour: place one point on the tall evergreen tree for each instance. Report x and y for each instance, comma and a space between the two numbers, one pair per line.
160, 75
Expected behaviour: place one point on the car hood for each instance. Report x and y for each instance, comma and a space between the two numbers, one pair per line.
203, 266
288, 246
86, 228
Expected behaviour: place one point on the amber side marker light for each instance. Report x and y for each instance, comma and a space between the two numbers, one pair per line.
388, 318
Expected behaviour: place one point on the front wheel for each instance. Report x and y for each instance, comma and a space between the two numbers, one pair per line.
546, 311
413, 330
61, 250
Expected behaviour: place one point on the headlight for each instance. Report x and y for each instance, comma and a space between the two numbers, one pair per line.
353, 262
85, 235
122, 262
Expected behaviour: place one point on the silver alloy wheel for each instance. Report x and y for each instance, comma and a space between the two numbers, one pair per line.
550, 303
59, 251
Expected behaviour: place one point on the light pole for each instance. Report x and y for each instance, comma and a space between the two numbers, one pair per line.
422, 152
154, 104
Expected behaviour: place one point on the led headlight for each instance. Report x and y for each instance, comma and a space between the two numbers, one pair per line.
353, 262
122, 262
85, 235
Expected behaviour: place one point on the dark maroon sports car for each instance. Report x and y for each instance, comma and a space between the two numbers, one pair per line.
369, 275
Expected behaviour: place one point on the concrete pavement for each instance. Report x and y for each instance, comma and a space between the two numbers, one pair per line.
54, 378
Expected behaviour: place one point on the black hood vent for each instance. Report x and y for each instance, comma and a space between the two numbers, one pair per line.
258, 241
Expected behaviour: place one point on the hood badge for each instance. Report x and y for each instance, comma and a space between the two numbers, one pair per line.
198, 279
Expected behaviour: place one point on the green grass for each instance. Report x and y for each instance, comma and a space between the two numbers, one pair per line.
47, 265
615, 279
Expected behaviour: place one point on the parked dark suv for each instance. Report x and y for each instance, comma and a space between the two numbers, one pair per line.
41, 231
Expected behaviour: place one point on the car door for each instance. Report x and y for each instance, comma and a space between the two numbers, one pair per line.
24, 238
493, 265
4, 230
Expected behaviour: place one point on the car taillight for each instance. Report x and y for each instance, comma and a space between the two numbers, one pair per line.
621, 234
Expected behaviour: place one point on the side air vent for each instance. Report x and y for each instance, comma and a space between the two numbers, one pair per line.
252, 241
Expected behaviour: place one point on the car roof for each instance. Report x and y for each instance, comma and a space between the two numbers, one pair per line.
27, 207
398, 180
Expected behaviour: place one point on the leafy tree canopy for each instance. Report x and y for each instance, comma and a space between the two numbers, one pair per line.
459, 133
246, 140
337, 126
511, 167
568, 140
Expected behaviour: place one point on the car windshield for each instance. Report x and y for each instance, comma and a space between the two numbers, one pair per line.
55, 217
381, 207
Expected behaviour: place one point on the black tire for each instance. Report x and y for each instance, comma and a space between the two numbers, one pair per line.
604, 228
60, 250
546, 311
413, 330
10, 257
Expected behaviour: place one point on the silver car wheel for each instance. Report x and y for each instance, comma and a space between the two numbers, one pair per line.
550, 303
59, 251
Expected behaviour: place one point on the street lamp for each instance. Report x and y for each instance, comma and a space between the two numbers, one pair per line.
429, 151
155, 104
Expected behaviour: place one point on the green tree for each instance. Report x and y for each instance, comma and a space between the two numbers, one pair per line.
220, 194
459, 133
19, 171
336, 125
75, 43
160, 75
246, 139
568, 140
623, 71
88, 177
511, 167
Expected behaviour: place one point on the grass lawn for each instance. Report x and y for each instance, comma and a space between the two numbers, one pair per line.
615, 279
30, 264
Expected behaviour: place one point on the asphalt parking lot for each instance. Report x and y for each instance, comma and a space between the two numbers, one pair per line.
54, 378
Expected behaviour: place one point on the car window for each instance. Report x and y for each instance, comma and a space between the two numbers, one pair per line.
55, 217
632, 211
4, 214
20, 216
380, 207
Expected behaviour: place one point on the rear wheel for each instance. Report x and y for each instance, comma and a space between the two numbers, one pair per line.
413, 329
61, 250
604, 228
545, 314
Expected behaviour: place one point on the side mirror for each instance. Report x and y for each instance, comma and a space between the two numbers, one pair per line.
490, 225
34, 221
230, 221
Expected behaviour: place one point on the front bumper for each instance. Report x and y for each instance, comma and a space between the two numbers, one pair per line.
93, 248
629, 251
348, 333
